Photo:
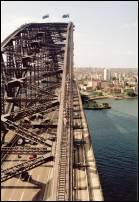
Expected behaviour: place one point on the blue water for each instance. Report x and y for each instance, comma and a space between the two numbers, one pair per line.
115, 141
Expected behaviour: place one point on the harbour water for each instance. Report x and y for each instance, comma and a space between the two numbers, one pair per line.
115, 141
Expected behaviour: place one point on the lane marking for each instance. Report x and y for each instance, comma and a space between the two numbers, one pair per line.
21, 196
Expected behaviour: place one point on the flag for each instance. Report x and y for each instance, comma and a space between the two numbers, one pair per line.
45, 16
65, 16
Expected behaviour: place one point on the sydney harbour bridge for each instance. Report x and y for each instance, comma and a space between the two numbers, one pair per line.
46, 150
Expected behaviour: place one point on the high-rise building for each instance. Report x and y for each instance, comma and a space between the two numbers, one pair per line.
106, 74
119, 77
116, 74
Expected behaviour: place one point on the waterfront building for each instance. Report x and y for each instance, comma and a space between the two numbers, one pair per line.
115, 90
82, 87
104, 84
89, 88
89, 83
122, 90
96, 84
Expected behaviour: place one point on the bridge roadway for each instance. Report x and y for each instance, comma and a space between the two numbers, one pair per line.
71, 175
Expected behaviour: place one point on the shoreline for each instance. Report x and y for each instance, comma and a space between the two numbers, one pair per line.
112, 97
99, 108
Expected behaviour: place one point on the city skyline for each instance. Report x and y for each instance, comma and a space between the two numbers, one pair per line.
101, 38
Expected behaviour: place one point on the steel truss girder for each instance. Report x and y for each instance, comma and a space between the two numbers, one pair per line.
24, 150
35, 52
37, 99
20, 52
23, 132
32, 110
26, 166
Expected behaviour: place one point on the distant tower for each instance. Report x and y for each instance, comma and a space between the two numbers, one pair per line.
106, 74
120, 77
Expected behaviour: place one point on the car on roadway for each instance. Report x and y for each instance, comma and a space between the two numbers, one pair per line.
32, 156
24, 176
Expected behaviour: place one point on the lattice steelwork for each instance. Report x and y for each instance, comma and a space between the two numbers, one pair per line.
36, 79
32, 62
42, 119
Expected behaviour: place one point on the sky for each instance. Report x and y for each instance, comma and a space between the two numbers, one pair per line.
106, 32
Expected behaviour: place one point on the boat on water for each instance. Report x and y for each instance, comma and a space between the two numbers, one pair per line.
96, 106
118, 98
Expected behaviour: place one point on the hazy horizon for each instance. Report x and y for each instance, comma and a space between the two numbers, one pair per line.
106, 32
106, 67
